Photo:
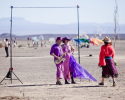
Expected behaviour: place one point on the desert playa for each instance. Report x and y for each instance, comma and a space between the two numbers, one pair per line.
37, 71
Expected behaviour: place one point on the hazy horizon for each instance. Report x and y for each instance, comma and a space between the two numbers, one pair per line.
58, 23
24, 27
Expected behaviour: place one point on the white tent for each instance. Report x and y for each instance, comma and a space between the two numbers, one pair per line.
51, 40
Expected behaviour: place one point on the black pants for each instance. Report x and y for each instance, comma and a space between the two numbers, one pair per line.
6, 49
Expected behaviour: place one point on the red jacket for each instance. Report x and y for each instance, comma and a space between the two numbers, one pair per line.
106, 51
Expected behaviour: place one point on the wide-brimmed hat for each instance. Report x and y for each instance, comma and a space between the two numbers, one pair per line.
58, 38
66, 38
107, 39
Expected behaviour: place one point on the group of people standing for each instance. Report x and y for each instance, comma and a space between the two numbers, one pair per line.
69, 68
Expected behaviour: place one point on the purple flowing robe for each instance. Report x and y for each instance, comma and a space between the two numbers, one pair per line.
57, 50
79, 71
67, 61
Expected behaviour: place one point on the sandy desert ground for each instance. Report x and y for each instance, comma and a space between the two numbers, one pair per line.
37, 71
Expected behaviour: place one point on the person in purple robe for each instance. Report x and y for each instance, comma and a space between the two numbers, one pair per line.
67, 72
72, 69
56, 51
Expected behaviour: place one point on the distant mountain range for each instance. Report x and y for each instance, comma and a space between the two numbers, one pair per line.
24, 27
47, 36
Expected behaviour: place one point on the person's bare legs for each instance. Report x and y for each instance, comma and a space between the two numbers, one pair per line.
113, 79
103, 80
102, 83
114, 84
58, 79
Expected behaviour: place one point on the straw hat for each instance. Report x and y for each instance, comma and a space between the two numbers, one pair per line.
107, 39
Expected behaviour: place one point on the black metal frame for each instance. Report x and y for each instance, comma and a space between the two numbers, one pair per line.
11, 68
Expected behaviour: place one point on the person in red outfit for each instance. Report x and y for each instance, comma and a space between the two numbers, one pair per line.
106, 56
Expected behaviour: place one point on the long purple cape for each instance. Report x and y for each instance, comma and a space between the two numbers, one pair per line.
78, 70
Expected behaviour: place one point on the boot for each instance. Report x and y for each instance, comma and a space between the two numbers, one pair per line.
66, 82
72, 80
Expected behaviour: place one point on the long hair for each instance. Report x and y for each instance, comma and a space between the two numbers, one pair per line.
106, 43
64, 41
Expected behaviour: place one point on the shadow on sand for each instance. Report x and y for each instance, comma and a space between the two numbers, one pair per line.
17, 56
31, 85
54, 85
87, 86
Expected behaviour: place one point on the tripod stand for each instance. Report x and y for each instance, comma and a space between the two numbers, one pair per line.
9, 74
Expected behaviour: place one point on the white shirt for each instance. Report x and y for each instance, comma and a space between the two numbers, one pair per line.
6, 43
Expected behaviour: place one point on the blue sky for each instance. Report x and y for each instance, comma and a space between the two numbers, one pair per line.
99, 11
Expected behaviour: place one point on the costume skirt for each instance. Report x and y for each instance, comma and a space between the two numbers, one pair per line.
109, 69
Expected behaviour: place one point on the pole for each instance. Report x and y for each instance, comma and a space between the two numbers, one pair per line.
115, 19
11, 44
115, 32
78, 33
11, 68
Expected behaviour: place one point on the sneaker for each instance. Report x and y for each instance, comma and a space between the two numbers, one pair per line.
58, 83
114, 84
101, 83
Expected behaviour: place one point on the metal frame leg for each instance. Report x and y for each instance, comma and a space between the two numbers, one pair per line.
17, 77
3, 79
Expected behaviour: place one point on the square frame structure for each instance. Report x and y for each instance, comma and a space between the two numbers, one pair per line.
11, 68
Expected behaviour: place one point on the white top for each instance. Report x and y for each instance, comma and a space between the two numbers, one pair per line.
6, 43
